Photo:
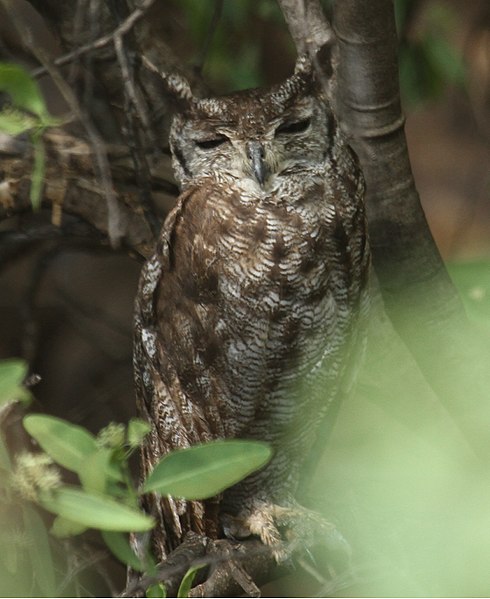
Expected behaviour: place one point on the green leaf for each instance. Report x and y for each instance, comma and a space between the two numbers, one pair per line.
22, 89
119, 545
40, 552
156, 590
186, 584
12, 374
63, 528
95, 510
137, 430
93, 471
14, 122
204, 470
68, 444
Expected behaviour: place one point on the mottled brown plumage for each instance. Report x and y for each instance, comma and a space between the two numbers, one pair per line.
249, 316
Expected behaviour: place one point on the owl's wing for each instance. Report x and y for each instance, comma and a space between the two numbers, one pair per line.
357, 261
167, 371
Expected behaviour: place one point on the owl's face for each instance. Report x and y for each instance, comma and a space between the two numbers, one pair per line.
256, 135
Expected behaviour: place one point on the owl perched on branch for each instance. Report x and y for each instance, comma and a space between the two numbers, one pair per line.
250, 314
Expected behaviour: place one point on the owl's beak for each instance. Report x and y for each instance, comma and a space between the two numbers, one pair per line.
256, 154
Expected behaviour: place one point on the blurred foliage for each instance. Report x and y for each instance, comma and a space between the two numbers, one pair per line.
428, 59
23, 111
399, 478
106, 499
236, 56
233, 47
473, 282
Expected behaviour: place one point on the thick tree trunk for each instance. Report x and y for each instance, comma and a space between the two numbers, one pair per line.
418, 295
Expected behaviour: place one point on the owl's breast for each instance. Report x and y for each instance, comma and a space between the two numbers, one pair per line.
272, 251
259, 295
281, 297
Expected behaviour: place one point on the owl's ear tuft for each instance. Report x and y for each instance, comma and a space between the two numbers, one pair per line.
179, 90
299, 83
175, 87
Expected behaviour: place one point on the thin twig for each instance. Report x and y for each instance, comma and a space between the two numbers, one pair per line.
94, 17
129, 83
101, 42
78, 23
138, 154
215, 18
114, 225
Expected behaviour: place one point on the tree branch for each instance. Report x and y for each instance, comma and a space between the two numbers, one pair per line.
307, 24
72, 183
234, 568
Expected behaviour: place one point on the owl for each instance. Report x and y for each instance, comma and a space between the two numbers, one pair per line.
250, 315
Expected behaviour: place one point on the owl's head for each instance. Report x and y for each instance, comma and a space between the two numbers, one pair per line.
259, 134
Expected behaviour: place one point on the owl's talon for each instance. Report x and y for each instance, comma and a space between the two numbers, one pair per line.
258, 521
301, 528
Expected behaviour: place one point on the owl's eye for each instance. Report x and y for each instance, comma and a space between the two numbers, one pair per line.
209, 144
293, 127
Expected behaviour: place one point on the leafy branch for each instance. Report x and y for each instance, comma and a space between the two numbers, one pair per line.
107, 498
26, 113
